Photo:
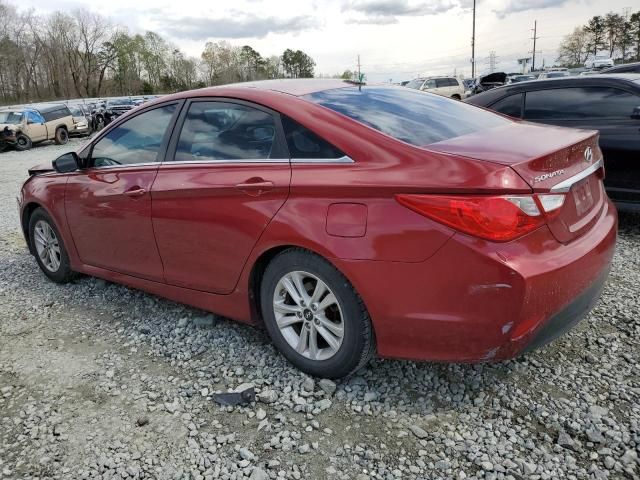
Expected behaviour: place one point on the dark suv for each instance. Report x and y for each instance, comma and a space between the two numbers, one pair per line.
608, 103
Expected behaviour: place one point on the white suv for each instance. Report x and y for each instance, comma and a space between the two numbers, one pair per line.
598, 61
445, 86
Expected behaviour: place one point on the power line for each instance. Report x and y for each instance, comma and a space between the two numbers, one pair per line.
473, 43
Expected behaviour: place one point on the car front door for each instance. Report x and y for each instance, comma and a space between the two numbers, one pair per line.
226, 174
36, 128
606, 109
108, 204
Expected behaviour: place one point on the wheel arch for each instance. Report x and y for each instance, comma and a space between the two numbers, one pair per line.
27, 211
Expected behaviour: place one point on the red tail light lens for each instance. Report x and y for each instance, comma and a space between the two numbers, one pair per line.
495, 218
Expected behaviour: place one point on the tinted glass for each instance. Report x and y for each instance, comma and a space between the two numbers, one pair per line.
136, 140
226, 131
442, 82
303, 143
511, 105
579, 102
415, 83
407, 115
34, 117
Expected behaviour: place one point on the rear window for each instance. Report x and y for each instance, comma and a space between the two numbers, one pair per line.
408, 115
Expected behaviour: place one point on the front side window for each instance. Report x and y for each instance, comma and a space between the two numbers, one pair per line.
579, 102
34, 117
407, 115
226, 131
511, 105
429, 84
137, 140
303, 143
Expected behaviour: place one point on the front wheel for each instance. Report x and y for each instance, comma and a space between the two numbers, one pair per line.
314, 316
23, 142
49, 249
62, 136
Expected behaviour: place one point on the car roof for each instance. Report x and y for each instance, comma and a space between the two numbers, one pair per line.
290, 86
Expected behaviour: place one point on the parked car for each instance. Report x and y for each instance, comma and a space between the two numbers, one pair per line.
554, 74
598, 61
330, 214
23, 127
522, 78
625, 68
115, 107
608, 103
487, 82
444, 86
82, 120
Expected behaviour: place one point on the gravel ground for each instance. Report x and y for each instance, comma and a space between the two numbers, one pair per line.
100, 381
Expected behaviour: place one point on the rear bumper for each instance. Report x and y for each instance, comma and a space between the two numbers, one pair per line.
477, 301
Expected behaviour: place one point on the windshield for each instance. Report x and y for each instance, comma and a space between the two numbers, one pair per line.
10, 117
414, 117
76, 111
119, 101
417, 83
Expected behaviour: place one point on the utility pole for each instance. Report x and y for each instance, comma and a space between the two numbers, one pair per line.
534, 38
473, 43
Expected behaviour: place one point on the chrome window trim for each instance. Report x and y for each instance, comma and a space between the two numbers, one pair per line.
566, 185
343, 159
128, 165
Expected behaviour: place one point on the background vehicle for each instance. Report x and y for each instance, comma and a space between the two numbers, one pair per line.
307, 205
607, 103
522, 78
554, 74
23, 127
487, 82
82, 120
625, 68
115, 107
598, 61
444, 86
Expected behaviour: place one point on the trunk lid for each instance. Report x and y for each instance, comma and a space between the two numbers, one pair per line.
551, 160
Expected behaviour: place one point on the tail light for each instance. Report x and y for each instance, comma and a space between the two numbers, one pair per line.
496, 218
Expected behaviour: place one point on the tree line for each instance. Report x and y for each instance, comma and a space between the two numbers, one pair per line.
614, 34
83, 54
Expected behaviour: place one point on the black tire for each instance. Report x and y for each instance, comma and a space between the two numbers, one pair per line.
358, 343
62, 136
23, 142
63, 274
99, 123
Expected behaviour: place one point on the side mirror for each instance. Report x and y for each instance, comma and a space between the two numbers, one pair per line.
636, 113
67, 163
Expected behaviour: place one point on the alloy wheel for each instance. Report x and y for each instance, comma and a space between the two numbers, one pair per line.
308, 315
47, 246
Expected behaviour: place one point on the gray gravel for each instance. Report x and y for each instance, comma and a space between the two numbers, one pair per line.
100, 381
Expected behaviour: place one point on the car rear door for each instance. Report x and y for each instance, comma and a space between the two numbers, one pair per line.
108, 204
226, 174
606, 109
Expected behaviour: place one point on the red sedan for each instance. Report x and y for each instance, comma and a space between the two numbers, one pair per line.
346, 219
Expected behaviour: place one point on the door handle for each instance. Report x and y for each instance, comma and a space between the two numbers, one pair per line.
135, 192
255, 186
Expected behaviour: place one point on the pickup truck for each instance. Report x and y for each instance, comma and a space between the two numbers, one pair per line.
24, 126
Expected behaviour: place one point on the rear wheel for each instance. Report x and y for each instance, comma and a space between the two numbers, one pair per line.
62, 136
23, 142
456, 97
49, 249
314, 316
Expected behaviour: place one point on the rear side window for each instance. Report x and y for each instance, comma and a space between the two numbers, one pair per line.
442, 82
227, 131
453, 82
579, 102
52, 115
407, 115
303, 143
134, 141
511, 105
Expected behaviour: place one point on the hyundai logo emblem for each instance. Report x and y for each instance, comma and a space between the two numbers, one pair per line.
588, 154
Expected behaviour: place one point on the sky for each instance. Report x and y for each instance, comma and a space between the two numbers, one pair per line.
396, 39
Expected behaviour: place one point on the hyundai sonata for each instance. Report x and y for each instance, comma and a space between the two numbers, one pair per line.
347, 219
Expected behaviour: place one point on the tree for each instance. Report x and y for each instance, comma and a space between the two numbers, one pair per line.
297, 64
574, 48
596, 30
614, 26
347, 75
634, 33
